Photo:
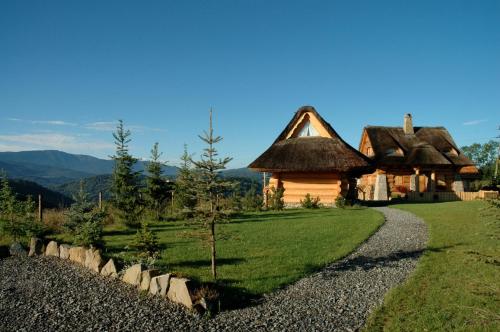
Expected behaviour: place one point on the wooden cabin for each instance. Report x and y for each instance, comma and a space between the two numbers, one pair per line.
412, 159
309, 157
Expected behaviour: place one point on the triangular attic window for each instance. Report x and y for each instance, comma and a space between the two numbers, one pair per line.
308, 130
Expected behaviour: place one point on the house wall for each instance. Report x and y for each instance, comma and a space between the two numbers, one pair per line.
398, 182
326, 186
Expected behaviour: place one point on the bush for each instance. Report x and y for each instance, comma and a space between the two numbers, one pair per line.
84, 221
340, 202
146, 242
88, 234
252, 201
309, 202
275, 201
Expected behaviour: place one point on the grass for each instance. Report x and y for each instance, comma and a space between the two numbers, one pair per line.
456, 286
257, 252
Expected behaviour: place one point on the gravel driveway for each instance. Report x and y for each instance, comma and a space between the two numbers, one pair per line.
48, 294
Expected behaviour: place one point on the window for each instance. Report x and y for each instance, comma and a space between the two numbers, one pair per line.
394, 152
369, 151
308, 130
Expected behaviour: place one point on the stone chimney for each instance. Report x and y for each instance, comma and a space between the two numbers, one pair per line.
408, 125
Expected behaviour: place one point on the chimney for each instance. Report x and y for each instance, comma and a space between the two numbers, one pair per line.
408, 125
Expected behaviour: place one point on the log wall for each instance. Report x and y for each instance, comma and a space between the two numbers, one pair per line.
326, 186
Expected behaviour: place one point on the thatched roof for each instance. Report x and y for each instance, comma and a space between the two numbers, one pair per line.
310, 154
427, 147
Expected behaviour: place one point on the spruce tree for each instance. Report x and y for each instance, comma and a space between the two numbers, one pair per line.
209, 187
84, 220
156, 186
185, 193
7, 199
125, 181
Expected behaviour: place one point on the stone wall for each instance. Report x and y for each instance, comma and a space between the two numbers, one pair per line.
151, 281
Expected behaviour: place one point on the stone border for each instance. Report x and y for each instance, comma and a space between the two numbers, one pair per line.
175, 289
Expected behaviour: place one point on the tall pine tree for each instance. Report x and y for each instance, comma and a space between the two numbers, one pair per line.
156, 186
210, 186
125, 181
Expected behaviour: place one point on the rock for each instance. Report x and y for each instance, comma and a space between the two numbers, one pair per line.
159, 285
133, 275
64, 251
380, 193
77, 254
52, 249
200, 307
146, 278
109, 270
93, 260
16, 249
36, 247
179, 291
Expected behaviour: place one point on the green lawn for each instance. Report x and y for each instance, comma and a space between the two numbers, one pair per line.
259, 252
456, 286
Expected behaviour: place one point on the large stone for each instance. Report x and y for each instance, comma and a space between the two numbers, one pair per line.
380, 193
133, 275
52, 249
458, 184
414, 183
77, 254
109, 270
159, 285
16, 249
179, 291
146, 278
93, 260
64, 251
36, 247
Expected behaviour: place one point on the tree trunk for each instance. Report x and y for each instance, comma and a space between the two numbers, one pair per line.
212, 240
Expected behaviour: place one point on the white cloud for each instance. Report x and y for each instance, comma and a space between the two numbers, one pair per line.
52, 141
55, 123
111, 126
474, 122
102, 125
47, 122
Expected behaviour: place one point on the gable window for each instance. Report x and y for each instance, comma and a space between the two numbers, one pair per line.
394, 152
369, 151
308, 130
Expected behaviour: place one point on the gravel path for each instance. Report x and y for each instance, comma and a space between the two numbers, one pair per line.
46, 293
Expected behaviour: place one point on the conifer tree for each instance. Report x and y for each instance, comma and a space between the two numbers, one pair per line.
156, 185
84, 220
7, 199
125, 181
209, 187
185, 193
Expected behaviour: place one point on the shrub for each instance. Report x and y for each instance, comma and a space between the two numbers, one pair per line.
84, 221
401, 189
88, 234
309, 202
340, 202
275, 201
252, 201
146, 242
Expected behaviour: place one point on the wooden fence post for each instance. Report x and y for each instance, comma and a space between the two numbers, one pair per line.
40, 207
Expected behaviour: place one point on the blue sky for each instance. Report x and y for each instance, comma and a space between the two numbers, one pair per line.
70, 69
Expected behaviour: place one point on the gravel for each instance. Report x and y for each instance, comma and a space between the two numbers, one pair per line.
46, 293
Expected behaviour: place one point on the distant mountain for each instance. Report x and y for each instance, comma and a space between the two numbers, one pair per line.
242, 173
102, 183
63, 171
59, 159
44, 175
50, 198
52, 167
